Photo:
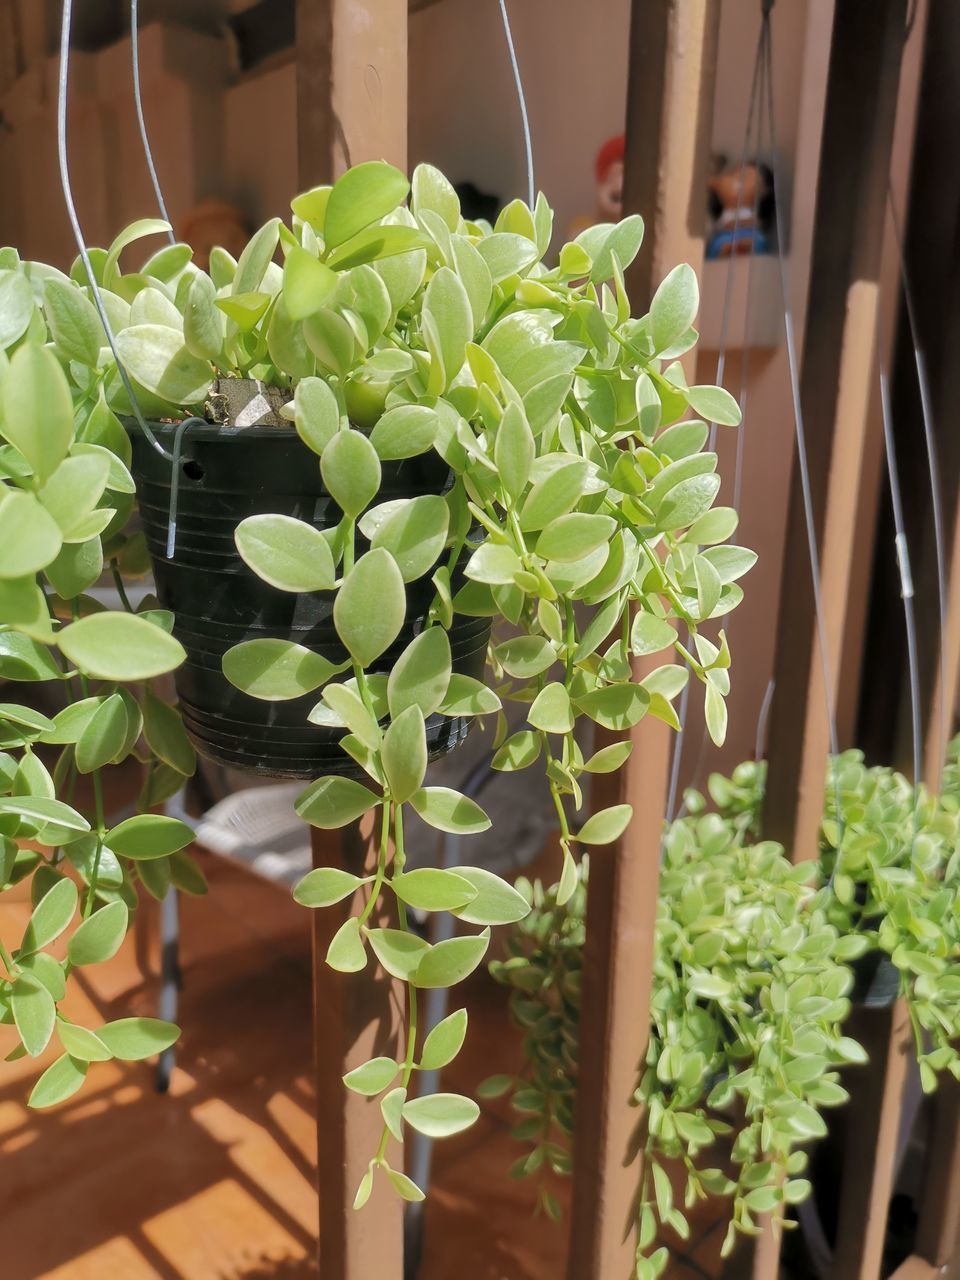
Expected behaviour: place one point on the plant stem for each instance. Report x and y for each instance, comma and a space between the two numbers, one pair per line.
121, 589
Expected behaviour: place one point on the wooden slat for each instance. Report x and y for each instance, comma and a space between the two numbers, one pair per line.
351, 106
836, 384
915, 1269
351, 85
356, 1017
670, 97
873, 1126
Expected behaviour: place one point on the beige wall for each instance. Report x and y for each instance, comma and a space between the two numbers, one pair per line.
463, 107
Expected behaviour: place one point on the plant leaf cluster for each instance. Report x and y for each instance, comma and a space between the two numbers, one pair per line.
755, 965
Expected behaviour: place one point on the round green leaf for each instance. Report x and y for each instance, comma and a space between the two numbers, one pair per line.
364, 194
203, 323
448, 810
606, 826
34, 1013
449, 962
158, 358
573, 536
285, 552
439, 1115
351, 471
444, 1042
51, 916
370, 607
323, 886
149, 835
404, 754
81, 1044
415, 533
495, 901
30, 537
552, 710
37, 411
431, 889
372, 1077
166, 736
650, 634
467, 696
333, 802
16, 307
307, 283
104, 735
99, 937
674, 307
274, 670
60, 1081
120, 646
714, 404
405, 431
132, 1039
397, 950
74, 324
346, 953
317, 414
422, 673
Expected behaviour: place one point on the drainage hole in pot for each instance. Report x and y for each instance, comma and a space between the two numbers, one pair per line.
193, 470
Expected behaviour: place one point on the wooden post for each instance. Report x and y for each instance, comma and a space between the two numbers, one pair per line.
837, 386
351, 106
837, 381
351, 85
356, 1017
669, 110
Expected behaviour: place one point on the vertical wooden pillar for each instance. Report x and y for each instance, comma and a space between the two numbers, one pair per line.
837, 386
351, 107
837, 380
356, 1017
669, 111
351, 85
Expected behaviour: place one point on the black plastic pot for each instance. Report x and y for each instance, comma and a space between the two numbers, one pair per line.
228, 474
876, 980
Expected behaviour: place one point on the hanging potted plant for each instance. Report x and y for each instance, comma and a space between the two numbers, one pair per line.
757, 965
65, 502
475, 436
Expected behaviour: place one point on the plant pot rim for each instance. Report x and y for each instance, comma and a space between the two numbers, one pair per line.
202, 430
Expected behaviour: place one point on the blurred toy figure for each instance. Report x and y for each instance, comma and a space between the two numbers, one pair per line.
608, 170
213, 222
741, 209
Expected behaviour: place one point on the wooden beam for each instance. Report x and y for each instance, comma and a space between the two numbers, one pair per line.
351, 85
837, 381
669, 111
836, 388
351, 106
356, 1016
873, 1118
916, 1269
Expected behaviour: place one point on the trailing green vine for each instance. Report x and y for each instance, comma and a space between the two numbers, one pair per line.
757, 963
573, 506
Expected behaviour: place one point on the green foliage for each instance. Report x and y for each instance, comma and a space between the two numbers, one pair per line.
578, 510
756, 964
65, 499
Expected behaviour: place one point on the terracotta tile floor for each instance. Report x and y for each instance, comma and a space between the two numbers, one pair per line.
215, 1180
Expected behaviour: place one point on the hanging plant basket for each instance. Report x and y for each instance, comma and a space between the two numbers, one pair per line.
227, 473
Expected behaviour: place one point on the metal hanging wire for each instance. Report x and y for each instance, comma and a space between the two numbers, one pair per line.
63, 87
141, 122
930, 445
906, 577
803, 460
522, 100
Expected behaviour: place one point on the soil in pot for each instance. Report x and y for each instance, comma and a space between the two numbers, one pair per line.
229, 473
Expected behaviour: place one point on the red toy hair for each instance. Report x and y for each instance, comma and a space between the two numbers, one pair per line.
610, 153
